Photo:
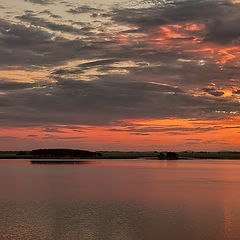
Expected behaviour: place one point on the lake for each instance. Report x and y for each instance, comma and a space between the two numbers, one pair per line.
120, 200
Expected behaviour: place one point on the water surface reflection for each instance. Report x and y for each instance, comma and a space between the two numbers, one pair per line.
121, 199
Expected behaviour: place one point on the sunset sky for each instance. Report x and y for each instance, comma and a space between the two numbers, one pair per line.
120, 75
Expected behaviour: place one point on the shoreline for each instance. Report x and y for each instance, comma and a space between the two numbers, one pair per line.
116, 157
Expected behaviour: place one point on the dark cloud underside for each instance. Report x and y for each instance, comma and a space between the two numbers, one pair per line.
172, 60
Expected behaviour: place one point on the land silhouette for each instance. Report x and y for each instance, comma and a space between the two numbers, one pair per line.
64, 153
84, 154
168, 156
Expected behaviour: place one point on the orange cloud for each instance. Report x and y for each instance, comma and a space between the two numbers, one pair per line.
228, 54
23, 75
123, 38
187, 38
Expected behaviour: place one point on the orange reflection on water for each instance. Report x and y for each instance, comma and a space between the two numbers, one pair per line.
228, 222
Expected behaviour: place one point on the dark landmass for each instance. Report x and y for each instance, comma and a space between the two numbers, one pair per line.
128, 155
51, 154
64, 153
82, 154
210, 155
46, 161
168, 156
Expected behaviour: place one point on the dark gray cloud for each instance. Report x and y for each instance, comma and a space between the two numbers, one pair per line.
103, 102
83, 9
32, 46
213, 91
49, 13
35, 46
224, 31
140, 134
135, 78
220, 18
53, 130
7, 85
98, 63
168, 130
101, 65
236, 91
67, 71
20, 35
42, 2
41, 22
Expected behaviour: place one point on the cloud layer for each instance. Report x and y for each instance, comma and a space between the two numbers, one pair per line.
99, 66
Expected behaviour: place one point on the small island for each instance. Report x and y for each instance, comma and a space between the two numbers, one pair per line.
64, 153
62, 156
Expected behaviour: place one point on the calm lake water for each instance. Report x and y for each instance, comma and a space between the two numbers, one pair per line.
120, 200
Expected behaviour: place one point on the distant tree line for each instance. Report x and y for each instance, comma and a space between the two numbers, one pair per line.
168, 156
64, 153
